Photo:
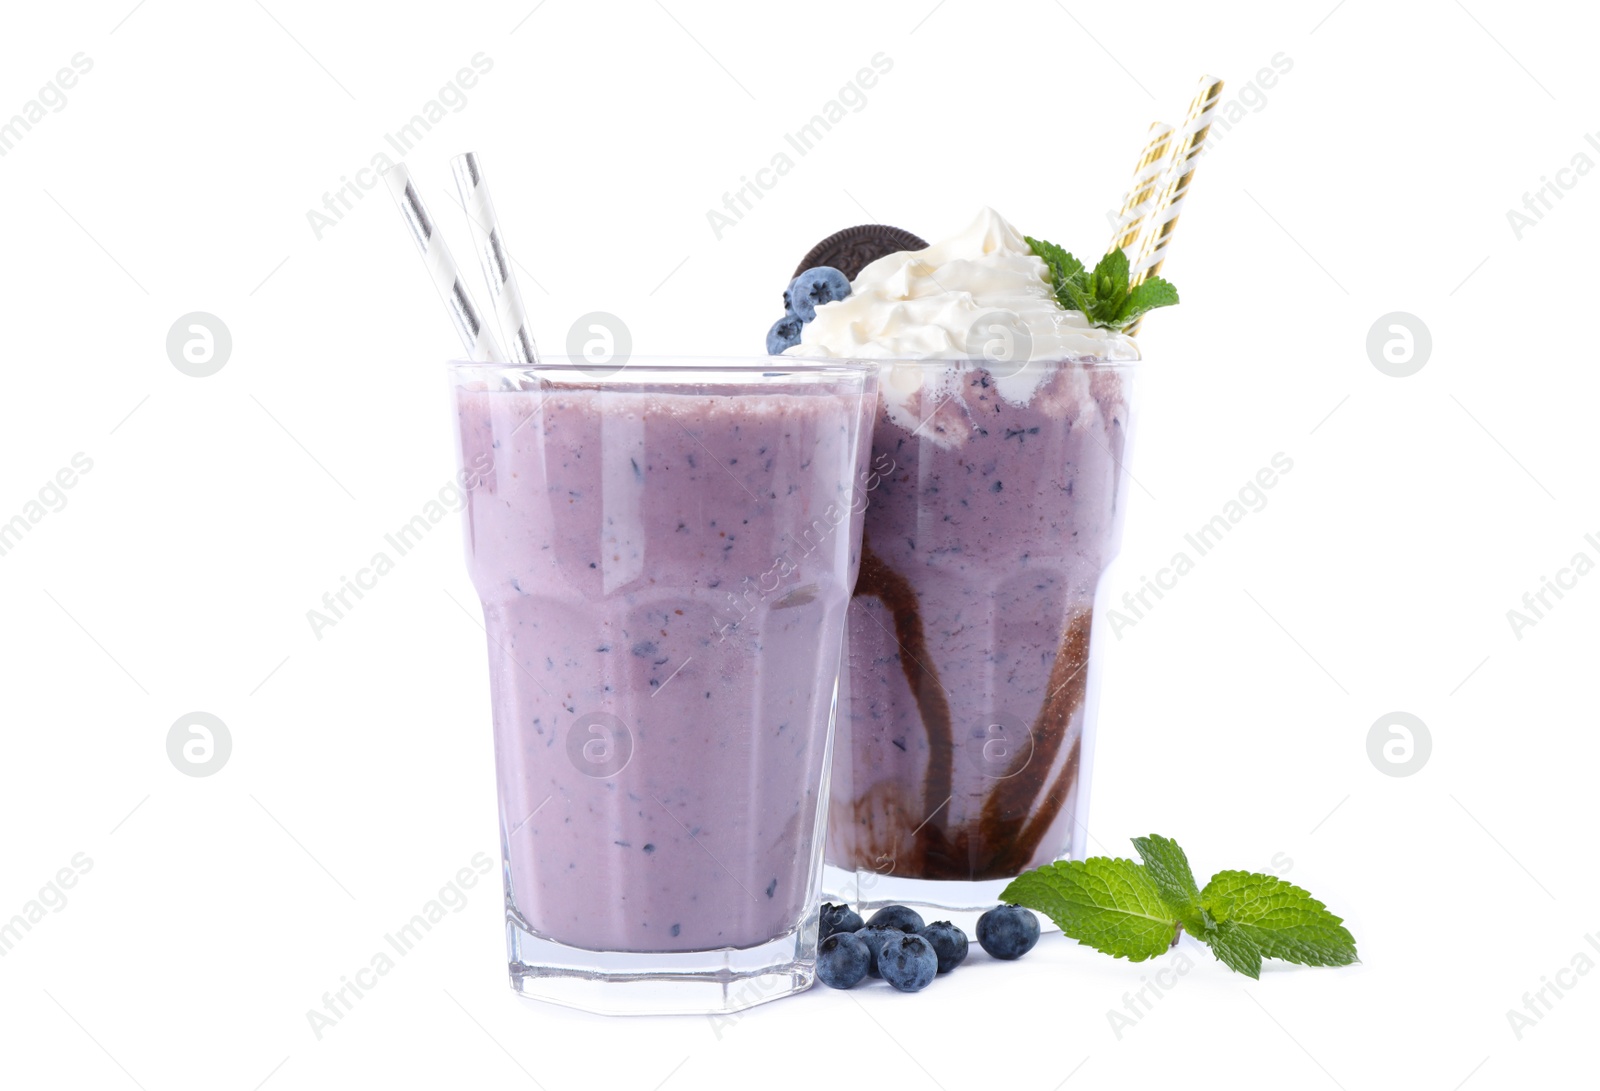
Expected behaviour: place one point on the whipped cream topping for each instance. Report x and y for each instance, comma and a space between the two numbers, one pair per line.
921, 304
927, 305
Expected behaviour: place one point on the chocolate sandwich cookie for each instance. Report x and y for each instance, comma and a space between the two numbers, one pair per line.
854, 248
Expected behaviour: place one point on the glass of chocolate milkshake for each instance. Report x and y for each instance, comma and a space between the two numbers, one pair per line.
665, 556
966, 716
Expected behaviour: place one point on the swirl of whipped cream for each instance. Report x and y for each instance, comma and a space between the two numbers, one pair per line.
922, 304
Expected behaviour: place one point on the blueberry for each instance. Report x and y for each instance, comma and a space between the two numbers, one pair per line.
897, 917
874, 938
1008, 931
784, 333
907, 962
948, 942
788, 303
838, 918
814, 287
842, 960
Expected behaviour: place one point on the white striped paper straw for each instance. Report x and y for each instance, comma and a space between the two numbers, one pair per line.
492, 258
1140, 199
476, 337
1186, 151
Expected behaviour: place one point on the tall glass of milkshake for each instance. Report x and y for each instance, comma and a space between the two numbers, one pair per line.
967, 701
665, 555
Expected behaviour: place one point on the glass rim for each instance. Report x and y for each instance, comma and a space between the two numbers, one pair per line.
1007, 366
732, 367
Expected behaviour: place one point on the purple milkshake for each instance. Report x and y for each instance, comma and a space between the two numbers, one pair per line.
962, 723
664, 560
966, 702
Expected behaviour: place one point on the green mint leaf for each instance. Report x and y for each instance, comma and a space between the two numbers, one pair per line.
1103, 295
1066, 271
1062, 264
1282, 920
1149, 295
1109, 904
1080, 296
1168, 868
1234, 948
1110, 280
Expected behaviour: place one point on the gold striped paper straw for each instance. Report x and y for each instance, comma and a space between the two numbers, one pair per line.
1141, 195
1159, 225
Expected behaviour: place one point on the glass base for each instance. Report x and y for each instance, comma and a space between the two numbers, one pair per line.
935, 899
661, 983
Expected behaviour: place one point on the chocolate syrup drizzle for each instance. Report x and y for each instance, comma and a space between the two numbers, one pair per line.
1022, 806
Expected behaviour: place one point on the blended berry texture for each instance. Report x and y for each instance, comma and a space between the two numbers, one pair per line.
664, 577
962, 702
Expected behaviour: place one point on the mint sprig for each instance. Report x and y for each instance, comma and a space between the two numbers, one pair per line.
1136, 910
1103, 294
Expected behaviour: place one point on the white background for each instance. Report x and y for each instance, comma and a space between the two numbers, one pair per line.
1374, 177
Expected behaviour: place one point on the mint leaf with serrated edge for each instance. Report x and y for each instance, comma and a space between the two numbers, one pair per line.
1109, 904
1135, 911
1066, 271
1146, 296
1234, 948
1168, 868
1282, 920
1103, 294
1110, 288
